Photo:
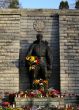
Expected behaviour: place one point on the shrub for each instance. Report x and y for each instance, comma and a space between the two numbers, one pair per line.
77, 5
14, 4
64, 5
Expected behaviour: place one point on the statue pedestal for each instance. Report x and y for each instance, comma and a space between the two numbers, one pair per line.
39, 101
46, 101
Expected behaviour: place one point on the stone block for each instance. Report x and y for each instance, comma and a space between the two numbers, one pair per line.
39, 101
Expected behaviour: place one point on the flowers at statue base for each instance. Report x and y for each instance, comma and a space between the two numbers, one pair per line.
40, 84
5, 104
32, 61
39, 94
53, 92
39, 91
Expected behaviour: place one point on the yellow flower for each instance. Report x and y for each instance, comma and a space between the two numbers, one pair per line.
31, 58
45, 82
36, 81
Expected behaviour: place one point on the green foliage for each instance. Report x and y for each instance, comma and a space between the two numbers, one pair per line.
14, 4
77, 5
10, 108
64, 5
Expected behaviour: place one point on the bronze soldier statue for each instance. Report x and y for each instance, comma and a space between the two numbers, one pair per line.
40, 49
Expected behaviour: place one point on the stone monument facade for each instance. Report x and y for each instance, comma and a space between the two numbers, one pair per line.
18, 31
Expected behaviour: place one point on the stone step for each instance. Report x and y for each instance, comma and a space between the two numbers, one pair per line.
46, 101
39, 101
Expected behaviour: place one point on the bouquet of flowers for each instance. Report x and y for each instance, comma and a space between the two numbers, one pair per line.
32, 61
40, 84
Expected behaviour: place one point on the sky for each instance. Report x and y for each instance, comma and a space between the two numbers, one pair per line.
50, 4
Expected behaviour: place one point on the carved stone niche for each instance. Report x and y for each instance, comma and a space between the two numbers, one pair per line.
39, 25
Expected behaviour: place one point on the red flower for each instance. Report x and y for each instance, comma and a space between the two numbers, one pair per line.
56, 91
32, 94
5, 104
37, 61
42, 92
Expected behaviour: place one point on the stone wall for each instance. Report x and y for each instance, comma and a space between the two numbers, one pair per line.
9, 51
17, 32
69, 52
